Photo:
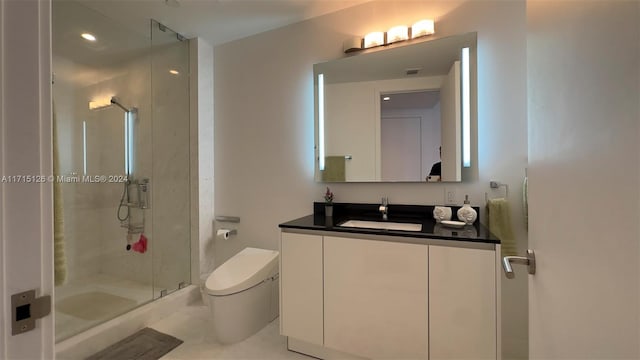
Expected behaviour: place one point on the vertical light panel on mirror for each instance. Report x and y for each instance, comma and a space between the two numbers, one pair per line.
84, 148
466, 111
321, 121
130, 115
126, 144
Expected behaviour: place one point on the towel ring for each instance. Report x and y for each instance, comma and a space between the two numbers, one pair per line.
497, 185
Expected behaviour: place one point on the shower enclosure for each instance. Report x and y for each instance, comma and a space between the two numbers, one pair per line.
121, 158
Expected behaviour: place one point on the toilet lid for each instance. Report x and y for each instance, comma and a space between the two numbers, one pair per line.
246, 269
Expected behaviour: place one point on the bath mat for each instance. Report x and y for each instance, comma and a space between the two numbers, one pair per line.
95, 305
146, 344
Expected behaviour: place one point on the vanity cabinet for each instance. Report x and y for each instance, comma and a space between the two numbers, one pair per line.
385, 297
301, 300
375, 298
462, 303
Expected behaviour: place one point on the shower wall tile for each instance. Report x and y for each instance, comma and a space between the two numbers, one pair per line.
116, 260
95, 242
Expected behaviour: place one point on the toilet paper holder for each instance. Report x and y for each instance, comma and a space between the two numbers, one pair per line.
226, 233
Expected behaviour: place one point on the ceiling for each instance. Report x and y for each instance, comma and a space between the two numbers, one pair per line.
216, 21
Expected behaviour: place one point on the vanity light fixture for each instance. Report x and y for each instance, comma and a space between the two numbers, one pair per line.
88, 37
321, 121
466, 111
395, 34
373, 39
422, 28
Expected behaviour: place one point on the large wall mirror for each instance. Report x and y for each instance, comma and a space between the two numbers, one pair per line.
398, 114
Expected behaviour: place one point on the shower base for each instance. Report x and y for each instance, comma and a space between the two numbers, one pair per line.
95, 299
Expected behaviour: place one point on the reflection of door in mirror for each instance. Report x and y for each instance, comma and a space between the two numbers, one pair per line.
450, 105
410, 134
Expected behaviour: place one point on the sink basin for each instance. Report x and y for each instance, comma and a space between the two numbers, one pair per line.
383, 225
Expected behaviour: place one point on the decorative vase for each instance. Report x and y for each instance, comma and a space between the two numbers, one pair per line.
328, 210
466, 213
441, 213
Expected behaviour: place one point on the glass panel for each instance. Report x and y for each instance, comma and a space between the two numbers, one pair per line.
170, 184
121, 149
97, 277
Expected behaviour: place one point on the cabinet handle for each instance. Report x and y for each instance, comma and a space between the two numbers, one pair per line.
529, 260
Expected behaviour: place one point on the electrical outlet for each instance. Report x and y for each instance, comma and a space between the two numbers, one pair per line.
450, 196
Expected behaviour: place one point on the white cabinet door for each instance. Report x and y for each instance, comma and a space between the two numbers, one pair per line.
375, 297
301, 287
462, 303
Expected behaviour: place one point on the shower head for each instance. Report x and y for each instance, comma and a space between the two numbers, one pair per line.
116, 101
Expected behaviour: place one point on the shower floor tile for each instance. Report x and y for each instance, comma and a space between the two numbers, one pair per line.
102, 305
193, 325
85, 303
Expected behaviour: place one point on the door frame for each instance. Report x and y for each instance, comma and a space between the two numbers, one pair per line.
26, 199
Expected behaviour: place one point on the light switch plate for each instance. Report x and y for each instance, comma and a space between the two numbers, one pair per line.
450, 196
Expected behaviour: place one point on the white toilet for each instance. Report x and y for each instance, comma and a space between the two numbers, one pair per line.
243, 294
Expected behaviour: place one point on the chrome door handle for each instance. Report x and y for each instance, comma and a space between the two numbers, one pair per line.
529, 260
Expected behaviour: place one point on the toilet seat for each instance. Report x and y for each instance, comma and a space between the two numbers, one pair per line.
244, 270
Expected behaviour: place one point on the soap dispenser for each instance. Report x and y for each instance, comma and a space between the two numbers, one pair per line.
466, 213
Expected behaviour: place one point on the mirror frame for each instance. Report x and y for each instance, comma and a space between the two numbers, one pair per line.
469, 131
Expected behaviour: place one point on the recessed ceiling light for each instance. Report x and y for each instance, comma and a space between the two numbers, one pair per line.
174, 72
88, 36
386, 98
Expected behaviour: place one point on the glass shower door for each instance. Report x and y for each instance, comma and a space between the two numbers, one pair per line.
171, 160
122, 157
102, 108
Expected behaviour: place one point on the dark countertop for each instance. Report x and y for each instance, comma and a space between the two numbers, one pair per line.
397, 213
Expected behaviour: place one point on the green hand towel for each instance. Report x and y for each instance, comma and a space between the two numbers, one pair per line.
500, 225
334, 168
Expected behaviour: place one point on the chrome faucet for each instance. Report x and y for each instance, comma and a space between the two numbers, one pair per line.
384, 208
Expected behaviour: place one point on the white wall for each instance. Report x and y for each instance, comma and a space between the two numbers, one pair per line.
351, 121
264, 114
201, 58
264, 124
264, 121
350, 128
